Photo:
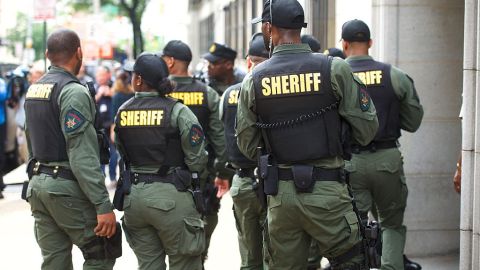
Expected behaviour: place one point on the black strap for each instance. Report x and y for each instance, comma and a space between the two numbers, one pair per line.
55, 172
246, 172
319, 174
374, 146
149, 178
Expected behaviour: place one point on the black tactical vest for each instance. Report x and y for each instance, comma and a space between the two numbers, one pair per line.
229, 115
144, 129
376, 76
42, 115
194, 95
296, 107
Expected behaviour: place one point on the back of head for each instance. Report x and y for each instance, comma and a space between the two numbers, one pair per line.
62, 45
154, 72
312, 42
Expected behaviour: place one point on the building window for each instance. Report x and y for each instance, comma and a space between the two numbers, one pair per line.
206, 34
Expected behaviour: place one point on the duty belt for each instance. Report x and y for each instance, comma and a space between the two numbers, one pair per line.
149, 178
319, 174
55, 171
374, 146
246, 172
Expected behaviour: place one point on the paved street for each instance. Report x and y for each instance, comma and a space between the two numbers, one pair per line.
19, 251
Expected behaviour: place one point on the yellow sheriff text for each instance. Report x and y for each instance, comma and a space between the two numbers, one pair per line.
40, 91
372, 77
233, 97
141, 118
189, 98
291, 84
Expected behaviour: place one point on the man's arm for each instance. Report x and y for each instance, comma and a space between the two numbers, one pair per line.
356, 106
411, 111
192, 139
248, 136
76, 119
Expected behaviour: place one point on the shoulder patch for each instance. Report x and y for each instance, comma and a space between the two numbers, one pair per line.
364, 99
196, 135
73, 120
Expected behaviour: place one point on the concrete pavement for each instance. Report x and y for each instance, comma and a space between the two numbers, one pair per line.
19, 251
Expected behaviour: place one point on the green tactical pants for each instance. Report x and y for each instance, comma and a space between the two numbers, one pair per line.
294, 219
160, 221
250, 218
378, 178
63, 217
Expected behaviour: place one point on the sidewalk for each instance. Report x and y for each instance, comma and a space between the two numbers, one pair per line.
18, 249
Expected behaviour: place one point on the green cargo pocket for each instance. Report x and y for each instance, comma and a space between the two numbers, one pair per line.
192, 242
161, 204
391, 167
274, 201
352, 222
321, 201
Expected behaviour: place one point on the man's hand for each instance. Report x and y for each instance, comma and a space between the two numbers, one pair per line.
457, 178
223, 186
106, 225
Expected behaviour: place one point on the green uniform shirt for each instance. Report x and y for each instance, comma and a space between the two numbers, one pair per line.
411, 112
345, 86
214, 132
183, 118
82, 145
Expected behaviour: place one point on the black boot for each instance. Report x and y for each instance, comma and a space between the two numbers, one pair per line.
409, 265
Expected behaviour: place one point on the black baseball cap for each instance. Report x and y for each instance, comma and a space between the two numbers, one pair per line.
335, 52
219, 51
178, 50
355, 30
257, 46
151, 67
286, 14
312, 42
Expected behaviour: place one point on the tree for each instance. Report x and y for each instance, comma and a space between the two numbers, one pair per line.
133, 9
18, 35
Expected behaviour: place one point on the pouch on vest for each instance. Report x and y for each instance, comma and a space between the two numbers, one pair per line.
303, 178
269, 174
182, 179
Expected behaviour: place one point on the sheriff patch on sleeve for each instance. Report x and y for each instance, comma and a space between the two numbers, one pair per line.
364, 99
73, 121
196, 135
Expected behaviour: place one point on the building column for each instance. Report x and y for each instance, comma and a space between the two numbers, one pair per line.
425, 39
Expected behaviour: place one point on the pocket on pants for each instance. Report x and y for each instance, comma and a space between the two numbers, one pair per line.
352, 221
192, 242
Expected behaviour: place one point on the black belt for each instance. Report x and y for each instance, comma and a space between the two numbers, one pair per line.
374, 146
319, 174
246, 172
149, 178
54, 171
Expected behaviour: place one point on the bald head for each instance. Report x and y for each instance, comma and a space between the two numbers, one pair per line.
62, 46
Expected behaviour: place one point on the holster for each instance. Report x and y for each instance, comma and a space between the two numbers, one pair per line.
102, 248
303, 178
212, 203
123, 188
104, 146
373, 244
269, 173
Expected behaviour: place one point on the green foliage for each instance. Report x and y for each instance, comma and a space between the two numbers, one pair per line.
18, 34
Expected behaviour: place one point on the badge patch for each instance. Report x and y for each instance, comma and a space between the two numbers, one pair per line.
73, 120
196, 135
212, 48
364, 99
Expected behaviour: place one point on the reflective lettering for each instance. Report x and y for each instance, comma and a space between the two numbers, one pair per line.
141, 118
